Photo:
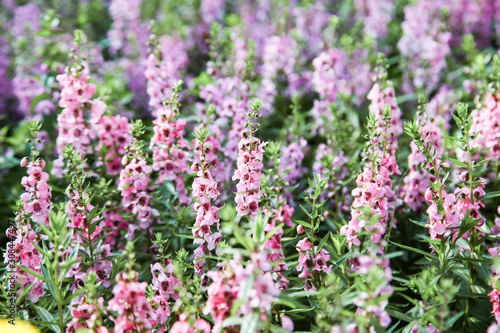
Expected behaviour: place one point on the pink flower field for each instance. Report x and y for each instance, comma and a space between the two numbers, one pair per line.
231, 166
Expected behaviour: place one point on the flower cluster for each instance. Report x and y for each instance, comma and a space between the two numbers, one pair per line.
200, 325
113, 136
164, 286
278, 54
134, 313
332, 165
434, 120
126, 32
227, 287
311, 259
424, 43
26, 255
376, 15
163, 70
77, 127
249, 167
374, 189
439, 223
134, 181
37, 198
486, 122
83, 219
85, 316
377, 276
205, 191
169, 146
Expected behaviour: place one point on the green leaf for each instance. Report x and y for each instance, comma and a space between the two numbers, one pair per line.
249, 325
29, 271
232, 321
413, 249
454, 319
491, 195
186, 236
49, 284
458, 162
303, 223
398, 315
484, 161
419, 223
323, 242
48, 318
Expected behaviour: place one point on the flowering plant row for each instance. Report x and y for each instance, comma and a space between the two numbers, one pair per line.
232, 166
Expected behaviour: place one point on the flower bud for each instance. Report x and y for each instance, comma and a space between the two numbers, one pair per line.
445, 165
24, 162
300, 229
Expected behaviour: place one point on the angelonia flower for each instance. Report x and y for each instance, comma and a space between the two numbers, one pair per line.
115, 224
310, 259
127, 32
337, 73
434, 121
183, 325
37, 198
33, 208
375, 15
212, 10
278, 54
424, 44
249, 167
328, 163
25, 88
164, 286
471, 17
292, 157
310, 21
84, 316
494, 294
374, 189
163, 70
5, 83
273, 245
470, 202
113, 136
328, 76
78, 120
377, 274
374, 198
204, 192
169, 146
486, 121
26, 255
78, 210
134, 182
134, 313
439, 223
25, 20
226, 288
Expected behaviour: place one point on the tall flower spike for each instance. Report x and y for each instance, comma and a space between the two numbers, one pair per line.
204, 192
375, 200
249, 165
134, 180
169, 146
77, 122
374, 184
129, 301
83, 217
35, 205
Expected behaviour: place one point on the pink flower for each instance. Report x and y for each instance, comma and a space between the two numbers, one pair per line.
249, 173
130, 303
